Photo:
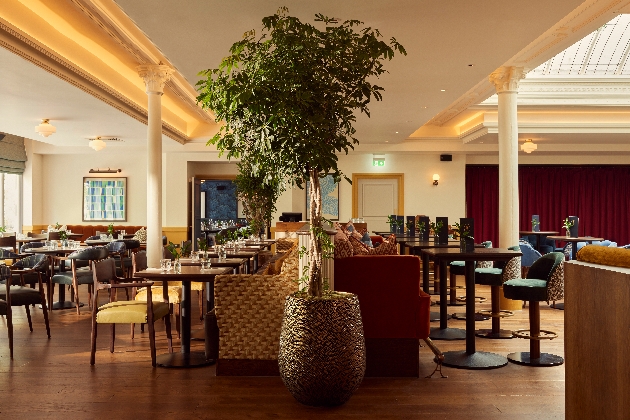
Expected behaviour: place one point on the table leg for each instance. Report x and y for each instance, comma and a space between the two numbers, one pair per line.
445, 333
425, 273
62, 303
185, 358
470, 358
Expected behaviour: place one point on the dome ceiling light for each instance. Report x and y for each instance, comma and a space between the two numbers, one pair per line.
45, 129
98, 143
528, 146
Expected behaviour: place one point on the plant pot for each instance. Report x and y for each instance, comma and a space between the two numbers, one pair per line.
322, 348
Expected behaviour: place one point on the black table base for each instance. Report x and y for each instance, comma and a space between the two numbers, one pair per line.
184, 360
487, 333
435, 316
478, 317
478, 360
447, 334
545, 359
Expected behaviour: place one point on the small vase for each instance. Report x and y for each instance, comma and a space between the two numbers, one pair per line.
568, 233
64, 243
177, 266
462, 245
221, 252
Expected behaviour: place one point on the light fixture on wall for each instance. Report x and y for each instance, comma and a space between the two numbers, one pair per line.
436, 178
378, 160
105, 171
45, 129
528, 146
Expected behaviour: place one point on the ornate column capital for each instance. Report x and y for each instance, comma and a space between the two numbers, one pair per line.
155, 76
507, 79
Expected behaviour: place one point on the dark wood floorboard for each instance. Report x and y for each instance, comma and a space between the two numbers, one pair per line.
52, 379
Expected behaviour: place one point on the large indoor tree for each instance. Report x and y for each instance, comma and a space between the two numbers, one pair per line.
288, 98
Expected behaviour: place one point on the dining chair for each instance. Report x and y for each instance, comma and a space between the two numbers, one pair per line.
5, 304
30, 270
25, 296
139, 263
197, 286
117, 251
8, 242
124, 312
54, 236
544, 282
78, 275
31, 245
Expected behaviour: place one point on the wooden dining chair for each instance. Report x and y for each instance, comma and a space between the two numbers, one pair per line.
8, 242
124, 312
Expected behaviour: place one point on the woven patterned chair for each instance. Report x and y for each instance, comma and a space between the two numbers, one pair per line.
79, 275
249, 310
495, 277
139, 263
124, 312
5, 304
544, 282
26, 296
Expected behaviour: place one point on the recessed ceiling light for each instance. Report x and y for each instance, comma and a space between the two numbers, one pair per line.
443, 90
396, 132
481, 142
386, 141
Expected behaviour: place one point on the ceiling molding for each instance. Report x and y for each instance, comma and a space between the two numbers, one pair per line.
33, 51
573, 27
104, 16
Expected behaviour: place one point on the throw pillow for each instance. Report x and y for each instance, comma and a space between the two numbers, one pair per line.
141, 235
366, 239
387, 247
358, 247
343, 249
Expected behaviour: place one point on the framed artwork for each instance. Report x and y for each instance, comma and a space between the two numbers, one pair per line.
104, 199
330, 198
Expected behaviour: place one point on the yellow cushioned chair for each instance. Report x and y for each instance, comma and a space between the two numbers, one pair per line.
139, 263
124, 312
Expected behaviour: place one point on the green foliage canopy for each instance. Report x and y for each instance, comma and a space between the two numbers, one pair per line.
288, 97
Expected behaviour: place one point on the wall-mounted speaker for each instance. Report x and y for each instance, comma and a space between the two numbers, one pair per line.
446, 158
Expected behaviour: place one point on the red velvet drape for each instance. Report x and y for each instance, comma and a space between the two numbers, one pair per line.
598, 195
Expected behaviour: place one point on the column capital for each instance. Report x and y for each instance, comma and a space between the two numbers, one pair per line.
507, 79
155, 76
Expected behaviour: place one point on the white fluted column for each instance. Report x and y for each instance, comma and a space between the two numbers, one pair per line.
155, 76
506, 81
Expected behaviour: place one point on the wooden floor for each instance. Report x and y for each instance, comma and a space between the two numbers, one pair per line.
53, 379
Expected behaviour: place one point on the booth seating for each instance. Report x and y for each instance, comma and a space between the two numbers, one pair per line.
394, 311
544, 282
90, 230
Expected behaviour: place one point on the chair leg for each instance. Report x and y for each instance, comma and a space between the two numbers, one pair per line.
10, 331
75, 287
200, 294
133, 328
112, 338
152, 343
169, 336
45, 310
51, 296
178, 309
28, 315
93, 350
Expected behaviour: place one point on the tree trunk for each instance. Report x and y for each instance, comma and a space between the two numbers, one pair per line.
315, 254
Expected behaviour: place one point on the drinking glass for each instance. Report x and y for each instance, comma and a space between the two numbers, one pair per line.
206, 264
165, 264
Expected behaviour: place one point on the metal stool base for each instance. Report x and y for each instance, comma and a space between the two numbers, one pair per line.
488, 333
447, 334
523, 358
478, 317
476, 361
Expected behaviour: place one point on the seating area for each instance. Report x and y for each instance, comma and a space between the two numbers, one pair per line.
353, 209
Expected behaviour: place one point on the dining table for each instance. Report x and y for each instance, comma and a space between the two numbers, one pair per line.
185, 358
540, 235
250, 254
574, 241
469, 358
61, 302
234, 263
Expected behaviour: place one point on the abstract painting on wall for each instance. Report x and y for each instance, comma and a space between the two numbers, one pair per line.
104, 199
330, 198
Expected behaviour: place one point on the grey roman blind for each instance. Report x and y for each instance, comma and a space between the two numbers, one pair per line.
12, 154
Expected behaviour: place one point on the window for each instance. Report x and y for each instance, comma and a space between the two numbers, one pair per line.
11, 203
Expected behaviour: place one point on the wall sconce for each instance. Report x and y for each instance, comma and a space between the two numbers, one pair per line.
45, 128
436, 178
378, 160
105, 171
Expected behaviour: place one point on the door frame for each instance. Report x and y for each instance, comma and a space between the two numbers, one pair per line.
355, 189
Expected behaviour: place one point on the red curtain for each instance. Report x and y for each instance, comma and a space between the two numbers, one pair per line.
598, 195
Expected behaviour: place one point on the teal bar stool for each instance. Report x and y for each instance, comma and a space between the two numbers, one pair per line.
495, 277
544, 282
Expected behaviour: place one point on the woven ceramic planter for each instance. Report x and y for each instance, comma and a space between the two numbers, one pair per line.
322, 349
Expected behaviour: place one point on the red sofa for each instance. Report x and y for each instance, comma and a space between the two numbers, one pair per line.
395, 312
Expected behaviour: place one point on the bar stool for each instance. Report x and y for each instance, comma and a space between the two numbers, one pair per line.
494, 277
458, 268
544, 282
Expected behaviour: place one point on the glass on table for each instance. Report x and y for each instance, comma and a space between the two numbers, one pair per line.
206, 264
165, 264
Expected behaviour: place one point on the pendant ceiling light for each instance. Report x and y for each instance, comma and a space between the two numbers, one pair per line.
97, 144
528, 146
45, 128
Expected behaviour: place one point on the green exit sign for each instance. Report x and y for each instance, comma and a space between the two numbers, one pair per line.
378, 162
